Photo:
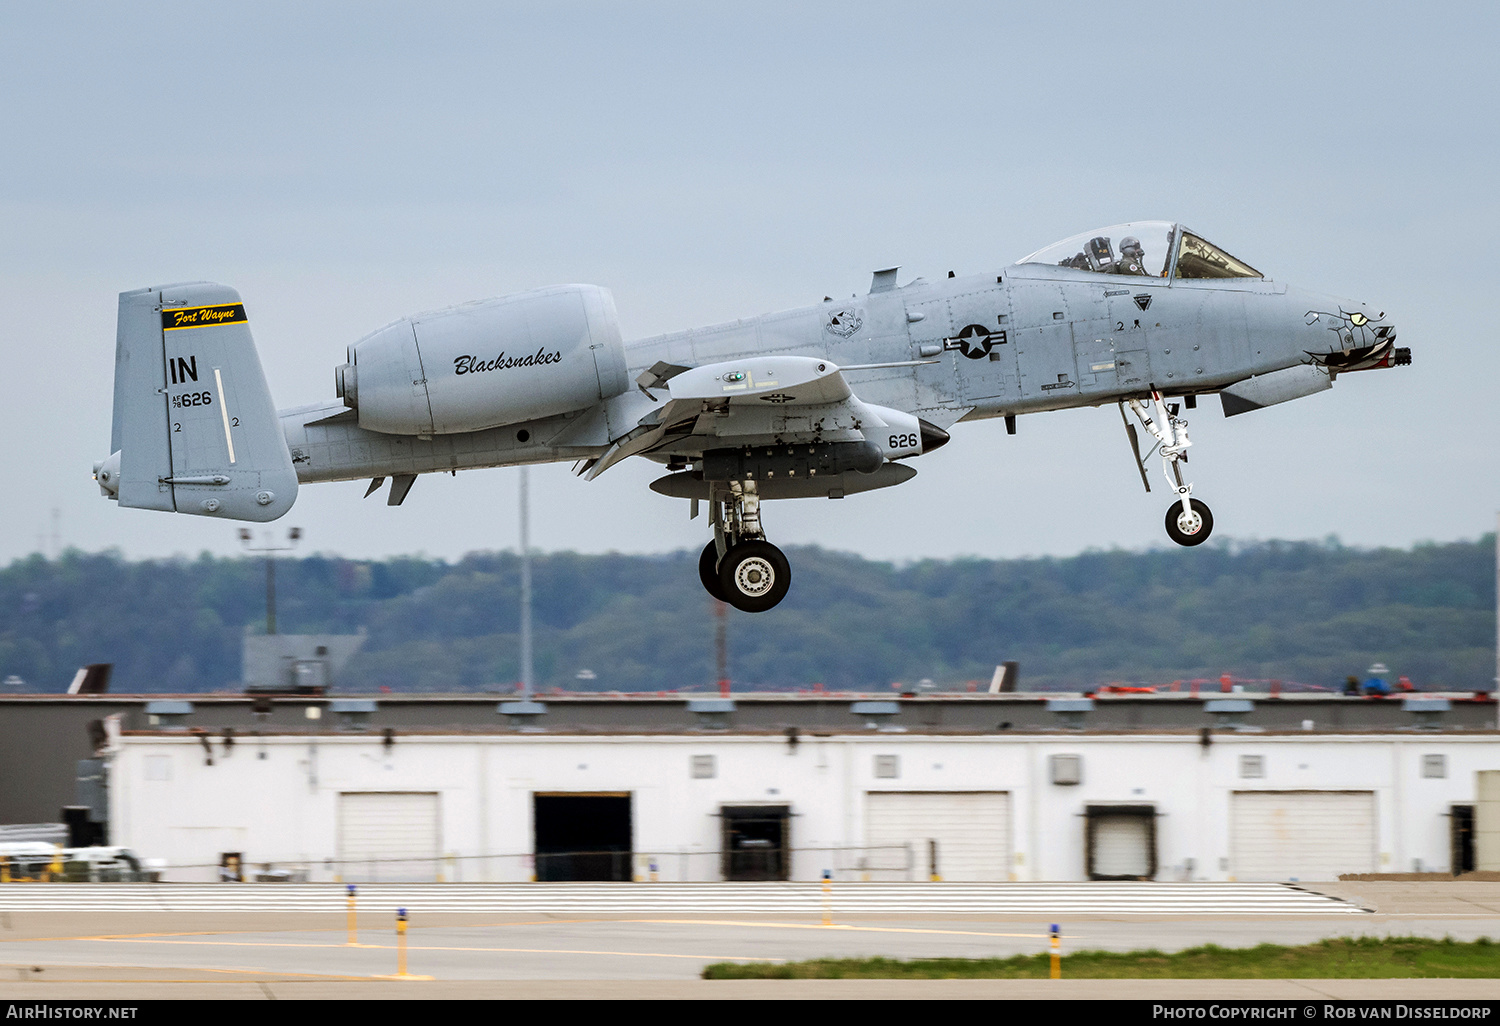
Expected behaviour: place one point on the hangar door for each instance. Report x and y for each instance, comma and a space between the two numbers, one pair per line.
389, 835
967, 831
1120, 842
1301, 835
582, 836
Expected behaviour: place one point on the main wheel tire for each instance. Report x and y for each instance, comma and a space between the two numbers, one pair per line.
755, 576
1194, 529
708, 572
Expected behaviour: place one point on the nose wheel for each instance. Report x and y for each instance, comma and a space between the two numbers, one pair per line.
1189, 521
1189, 526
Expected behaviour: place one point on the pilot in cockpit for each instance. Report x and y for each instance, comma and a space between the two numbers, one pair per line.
1132, 258
1099, 257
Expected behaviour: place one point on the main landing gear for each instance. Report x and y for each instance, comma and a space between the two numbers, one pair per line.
739, 566
1189, 521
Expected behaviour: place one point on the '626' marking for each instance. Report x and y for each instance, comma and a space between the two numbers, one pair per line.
186, 399
904, 441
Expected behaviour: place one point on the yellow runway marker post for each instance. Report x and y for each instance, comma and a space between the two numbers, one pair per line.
401, 973
1056, 952
353, 931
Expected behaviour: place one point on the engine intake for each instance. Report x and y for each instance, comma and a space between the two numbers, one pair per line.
487, 364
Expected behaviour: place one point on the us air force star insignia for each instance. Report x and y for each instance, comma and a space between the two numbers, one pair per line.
776, 397
975, 341
1143, 300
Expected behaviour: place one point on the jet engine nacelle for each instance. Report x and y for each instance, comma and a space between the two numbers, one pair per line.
487, 364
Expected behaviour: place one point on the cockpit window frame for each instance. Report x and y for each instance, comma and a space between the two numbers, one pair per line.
1174, 239
1158, 235
1175, 235
1182, 231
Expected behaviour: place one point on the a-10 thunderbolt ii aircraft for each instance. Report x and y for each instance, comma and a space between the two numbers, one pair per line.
822, 401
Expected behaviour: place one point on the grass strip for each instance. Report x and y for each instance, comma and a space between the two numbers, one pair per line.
1370, 958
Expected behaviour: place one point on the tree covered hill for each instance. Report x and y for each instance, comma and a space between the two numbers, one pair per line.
1304, 612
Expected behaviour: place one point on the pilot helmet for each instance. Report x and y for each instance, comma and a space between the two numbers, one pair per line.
1130, 244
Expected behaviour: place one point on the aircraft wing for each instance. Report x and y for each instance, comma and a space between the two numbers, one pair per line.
776, 380
791, 398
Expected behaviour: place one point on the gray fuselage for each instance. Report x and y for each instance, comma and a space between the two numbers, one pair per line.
1029, 338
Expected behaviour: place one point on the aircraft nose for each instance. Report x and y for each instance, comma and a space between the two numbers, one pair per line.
1352, 336
1385, 336
1371, 332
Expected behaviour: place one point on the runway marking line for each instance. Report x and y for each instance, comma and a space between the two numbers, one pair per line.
230, 933
427, 947
839, 926
179, 968
566, 922
402, 976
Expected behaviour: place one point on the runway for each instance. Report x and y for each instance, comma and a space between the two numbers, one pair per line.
993, 899
585, 940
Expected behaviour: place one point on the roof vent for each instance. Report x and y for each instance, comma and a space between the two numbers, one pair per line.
1230, 712
712, 713
1071, 710
522, 715
169, 715
1428, 711
353, 713
878, 715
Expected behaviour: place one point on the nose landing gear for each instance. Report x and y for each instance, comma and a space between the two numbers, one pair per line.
1189, 521
739, 566
1189, 526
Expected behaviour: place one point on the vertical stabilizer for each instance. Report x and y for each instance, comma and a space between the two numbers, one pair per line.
194, 429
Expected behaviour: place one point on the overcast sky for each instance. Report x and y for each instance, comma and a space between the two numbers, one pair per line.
345, 164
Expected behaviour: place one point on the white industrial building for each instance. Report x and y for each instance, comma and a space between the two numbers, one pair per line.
864, 804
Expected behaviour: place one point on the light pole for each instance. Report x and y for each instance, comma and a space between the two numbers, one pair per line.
246, 537
721, 643
527, 680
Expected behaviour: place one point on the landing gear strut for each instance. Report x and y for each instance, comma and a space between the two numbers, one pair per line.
739, 566
1189, 521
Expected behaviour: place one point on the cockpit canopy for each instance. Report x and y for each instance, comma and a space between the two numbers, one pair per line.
1148, 249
